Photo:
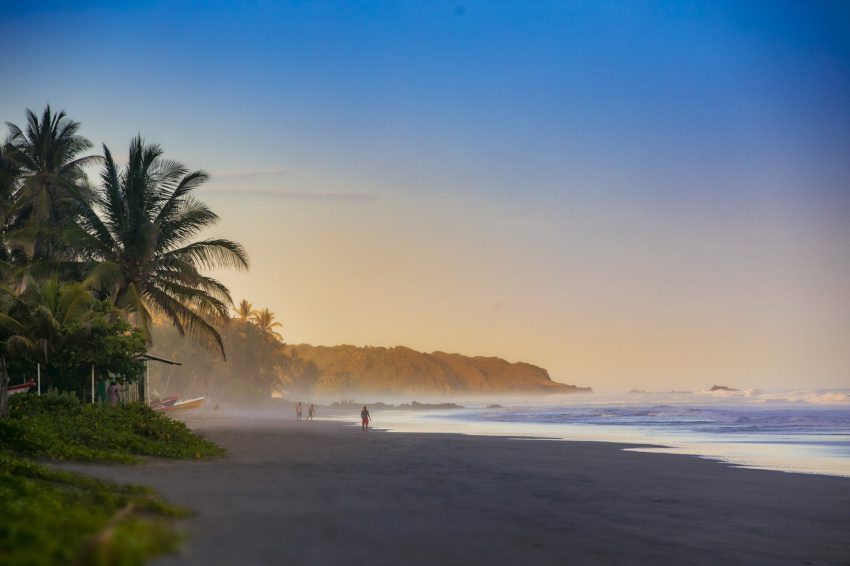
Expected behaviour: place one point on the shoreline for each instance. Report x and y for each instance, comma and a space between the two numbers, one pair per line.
753, 452
324, 492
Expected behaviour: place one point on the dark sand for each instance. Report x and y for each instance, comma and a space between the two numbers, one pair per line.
323, 493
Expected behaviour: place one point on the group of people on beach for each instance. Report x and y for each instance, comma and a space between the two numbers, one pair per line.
311, 411
365, 417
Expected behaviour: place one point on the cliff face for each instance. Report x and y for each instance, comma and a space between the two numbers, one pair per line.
402, 370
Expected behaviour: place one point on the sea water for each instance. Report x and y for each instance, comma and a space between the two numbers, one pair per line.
791, 431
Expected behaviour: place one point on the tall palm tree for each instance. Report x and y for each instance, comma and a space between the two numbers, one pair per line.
264, 319
46, 153
244, 311
139, 232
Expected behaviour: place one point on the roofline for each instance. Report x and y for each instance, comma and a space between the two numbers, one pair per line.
157, 359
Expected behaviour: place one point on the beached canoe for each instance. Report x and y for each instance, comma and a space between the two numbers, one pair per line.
163, 403
20, 388
187, 404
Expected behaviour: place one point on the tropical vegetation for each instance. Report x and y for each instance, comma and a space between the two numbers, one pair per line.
85, 266
138, 236
258, 363
49, 516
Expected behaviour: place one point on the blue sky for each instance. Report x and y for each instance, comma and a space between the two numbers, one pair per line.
512, 148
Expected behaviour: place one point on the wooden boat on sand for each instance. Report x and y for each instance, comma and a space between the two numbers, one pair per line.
20, 388
182, 405
163, 403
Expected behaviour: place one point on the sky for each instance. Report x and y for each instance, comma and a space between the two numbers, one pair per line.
633, 195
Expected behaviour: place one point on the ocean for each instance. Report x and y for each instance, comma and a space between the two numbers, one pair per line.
790, 431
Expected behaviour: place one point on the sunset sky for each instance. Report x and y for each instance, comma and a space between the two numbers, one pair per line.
649, 195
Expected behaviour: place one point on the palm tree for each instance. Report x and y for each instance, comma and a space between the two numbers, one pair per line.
33, 321
48, 308
244, 311
46, 154
264, 319
139, 232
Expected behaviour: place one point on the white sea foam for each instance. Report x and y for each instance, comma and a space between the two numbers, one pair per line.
799, 431
811, 397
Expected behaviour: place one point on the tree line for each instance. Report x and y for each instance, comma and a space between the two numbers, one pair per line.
258, 361
86, 266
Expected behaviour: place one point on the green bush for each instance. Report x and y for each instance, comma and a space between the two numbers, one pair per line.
53, 402
59, 426
51, 516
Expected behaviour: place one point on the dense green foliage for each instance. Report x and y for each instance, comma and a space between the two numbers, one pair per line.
60, 427
82, 269
80, 260
62, 327
50, 516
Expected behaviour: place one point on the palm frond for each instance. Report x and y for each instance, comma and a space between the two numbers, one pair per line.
186, 320
212, 253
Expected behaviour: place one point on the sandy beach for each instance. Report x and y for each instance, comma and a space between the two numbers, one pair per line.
323, 492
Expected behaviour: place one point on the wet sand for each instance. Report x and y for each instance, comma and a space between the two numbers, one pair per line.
325, 493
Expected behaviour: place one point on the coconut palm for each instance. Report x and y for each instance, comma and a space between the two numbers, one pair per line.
244, 311
46, 154
48, 308
264, 319
139, 232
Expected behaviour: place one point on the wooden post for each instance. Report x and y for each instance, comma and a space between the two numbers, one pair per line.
147, 382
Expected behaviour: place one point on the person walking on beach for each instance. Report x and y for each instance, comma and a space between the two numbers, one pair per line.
311, 412
365, 418
298, 410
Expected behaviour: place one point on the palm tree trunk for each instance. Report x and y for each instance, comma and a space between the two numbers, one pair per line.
4, 389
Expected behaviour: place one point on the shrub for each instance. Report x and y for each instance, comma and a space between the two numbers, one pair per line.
59, 426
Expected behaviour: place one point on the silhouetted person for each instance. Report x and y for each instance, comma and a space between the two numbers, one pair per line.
112, 393
298, 410
311, 411
365, 418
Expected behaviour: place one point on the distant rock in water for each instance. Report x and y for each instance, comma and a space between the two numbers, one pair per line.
495, 406
722, 388
353, 370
